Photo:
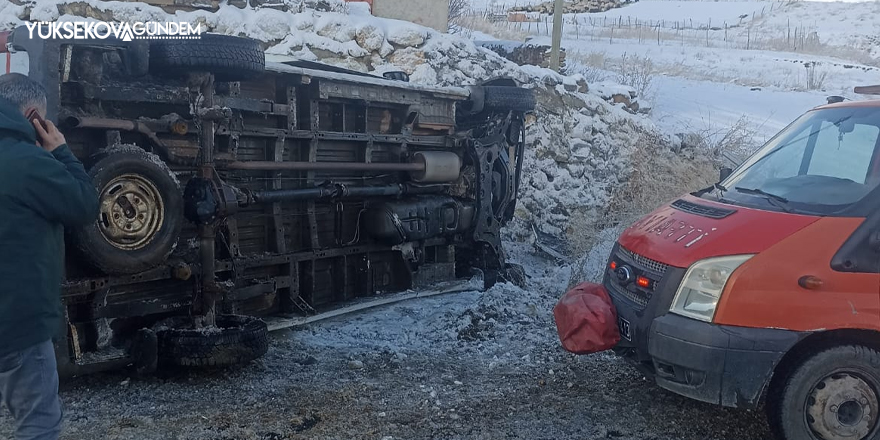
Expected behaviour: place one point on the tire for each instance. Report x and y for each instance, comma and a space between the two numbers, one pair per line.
235, 340
832, 395
138, 234
502, 98
228, 58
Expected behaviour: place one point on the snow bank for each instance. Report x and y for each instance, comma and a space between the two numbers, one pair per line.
578, 146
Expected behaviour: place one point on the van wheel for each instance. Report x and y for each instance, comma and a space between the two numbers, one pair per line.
832, 395
229, 58
235, 340
141, 212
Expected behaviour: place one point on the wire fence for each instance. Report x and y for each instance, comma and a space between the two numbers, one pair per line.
743, 33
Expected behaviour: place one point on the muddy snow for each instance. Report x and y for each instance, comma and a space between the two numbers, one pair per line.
472, 365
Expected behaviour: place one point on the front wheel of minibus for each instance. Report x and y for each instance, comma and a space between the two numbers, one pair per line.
831, 395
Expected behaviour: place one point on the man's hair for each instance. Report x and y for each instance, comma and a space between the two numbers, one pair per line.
22, 91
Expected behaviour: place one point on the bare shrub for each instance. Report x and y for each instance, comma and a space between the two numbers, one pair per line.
457, 10
635, 71
591, 74
815, 79
632, 70
467, 24
593, 66
659, 175
730, 144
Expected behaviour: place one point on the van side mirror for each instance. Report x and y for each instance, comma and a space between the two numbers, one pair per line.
725, 173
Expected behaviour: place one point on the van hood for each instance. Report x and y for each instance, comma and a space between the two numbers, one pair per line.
691, 229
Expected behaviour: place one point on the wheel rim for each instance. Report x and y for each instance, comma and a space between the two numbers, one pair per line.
132, 212
842, 406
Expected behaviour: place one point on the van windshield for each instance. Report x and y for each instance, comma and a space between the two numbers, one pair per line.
822, 163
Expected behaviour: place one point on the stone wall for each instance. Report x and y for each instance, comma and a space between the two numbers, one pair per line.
574, 7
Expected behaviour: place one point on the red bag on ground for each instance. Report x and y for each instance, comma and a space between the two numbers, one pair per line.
586, 319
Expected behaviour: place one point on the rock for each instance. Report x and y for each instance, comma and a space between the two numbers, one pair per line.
240, 4
308, 360
271, 4
85, 10
407, 36
386, 49
583, 87
617, 98
634, 106
424, 74
337, 30
407, 59
370, 38
355, 365
346, 63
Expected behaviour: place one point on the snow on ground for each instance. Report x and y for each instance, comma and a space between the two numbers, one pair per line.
838, 23
684, 105
757, 68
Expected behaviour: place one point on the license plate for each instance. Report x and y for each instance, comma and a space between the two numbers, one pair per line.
623, 326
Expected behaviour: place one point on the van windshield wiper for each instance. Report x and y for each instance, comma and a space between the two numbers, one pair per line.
774, 199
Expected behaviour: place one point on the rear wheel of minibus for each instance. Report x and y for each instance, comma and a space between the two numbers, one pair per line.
831, 395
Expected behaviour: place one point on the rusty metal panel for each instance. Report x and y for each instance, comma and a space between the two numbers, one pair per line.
330, 89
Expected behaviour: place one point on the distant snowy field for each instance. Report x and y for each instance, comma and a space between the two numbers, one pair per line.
717, 62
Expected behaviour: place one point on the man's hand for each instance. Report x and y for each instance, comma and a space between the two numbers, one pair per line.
49, 138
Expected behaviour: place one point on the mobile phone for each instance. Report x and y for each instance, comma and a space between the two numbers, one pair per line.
36, 115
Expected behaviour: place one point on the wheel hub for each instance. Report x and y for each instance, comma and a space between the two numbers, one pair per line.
132, 212
842, 406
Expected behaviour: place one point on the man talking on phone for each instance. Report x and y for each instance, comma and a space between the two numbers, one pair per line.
43, 189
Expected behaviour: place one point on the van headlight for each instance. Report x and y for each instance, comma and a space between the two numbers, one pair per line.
700, 291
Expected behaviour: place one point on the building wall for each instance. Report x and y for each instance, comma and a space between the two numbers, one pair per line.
430, 13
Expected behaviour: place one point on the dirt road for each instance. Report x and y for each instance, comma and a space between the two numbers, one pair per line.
461, 366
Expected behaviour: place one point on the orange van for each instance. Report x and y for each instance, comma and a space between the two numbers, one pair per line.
766, 286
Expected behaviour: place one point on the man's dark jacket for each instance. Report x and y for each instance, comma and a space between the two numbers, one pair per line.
40, 194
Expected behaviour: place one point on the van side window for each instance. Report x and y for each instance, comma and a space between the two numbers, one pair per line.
844, 155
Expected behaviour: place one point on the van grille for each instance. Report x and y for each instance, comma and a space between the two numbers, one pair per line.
641, 266
643, 262
639, 298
